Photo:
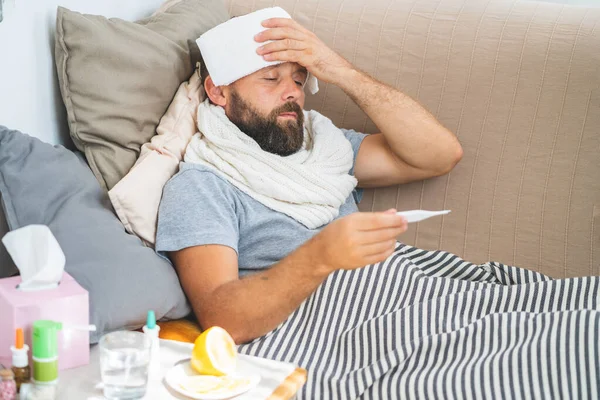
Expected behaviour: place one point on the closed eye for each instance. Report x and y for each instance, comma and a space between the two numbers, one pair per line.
299, 83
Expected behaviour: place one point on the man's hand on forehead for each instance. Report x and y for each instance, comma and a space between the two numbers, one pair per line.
293, 43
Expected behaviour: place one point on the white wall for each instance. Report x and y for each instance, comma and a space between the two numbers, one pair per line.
29, 96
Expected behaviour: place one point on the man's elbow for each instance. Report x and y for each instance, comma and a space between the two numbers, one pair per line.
457, 155
453, 157
242, 336
238, 333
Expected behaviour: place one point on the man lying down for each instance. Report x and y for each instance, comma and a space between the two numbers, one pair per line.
262, 226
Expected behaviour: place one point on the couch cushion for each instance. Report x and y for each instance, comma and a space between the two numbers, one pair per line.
42, 184
117, 78
518, 82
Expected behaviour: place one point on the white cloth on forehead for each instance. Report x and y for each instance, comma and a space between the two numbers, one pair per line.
229, 49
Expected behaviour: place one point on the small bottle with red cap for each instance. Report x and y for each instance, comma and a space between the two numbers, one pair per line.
20, 360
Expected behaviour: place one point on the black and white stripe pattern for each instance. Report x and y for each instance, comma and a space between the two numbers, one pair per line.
429, 325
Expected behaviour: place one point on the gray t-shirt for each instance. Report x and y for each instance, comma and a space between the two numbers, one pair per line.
200, 207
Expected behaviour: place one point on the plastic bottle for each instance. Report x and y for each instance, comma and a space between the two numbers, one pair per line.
20, 360
8, 386
45, 352
152, 330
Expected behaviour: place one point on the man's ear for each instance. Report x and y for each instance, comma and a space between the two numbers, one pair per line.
214, 93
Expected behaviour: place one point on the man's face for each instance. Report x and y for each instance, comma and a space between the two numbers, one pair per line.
267, 106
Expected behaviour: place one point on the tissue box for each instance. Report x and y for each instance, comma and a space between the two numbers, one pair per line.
68, 303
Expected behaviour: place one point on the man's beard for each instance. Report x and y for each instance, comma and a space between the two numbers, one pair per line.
281, 138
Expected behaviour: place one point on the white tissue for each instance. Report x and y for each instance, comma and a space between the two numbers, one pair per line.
37, 255
420, 215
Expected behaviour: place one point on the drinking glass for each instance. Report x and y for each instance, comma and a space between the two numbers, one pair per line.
124, 360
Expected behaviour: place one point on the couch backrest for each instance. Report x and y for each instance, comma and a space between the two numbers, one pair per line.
519, 84
29, 96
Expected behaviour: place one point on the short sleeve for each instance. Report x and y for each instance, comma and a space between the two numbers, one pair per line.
355, 139
197, 208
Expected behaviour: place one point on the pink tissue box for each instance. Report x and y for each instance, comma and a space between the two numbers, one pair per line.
67, 303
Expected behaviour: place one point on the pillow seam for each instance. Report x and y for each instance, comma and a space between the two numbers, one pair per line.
63, 72
73, 124
153, 18
184, 109
118, 207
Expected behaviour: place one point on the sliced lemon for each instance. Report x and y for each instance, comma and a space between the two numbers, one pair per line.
202, 384
207, 384
214, 353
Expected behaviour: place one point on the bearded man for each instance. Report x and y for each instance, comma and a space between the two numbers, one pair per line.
262, 226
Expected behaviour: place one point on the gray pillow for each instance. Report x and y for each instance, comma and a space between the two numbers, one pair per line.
45, 184
7, 267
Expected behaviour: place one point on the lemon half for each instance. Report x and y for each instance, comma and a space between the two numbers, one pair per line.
214, 353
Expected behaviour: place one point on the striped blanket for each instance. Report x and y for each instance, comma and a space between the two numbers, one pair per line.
429, 325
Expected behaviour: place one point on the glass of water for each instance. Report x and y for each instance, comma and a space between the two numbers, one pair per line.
124, 361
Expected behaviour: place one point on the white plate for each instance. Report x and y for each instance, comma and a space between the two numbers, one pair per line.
182, 371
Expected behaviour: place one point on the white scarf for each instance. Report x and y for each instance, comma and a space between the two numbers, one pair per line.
309, 186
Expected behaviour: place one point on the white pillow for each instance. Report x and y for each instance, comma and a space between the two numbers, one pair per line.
137, 196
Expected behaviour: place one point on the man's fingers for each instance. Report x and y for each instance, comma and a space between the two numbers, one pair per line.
286, 55
271, 22
280, 45
375, 249
284, 22
278, 34
367, 221
380, 235
379, 257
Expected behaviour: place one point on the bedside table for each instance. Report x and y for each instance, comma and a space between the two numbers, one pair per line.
279, 380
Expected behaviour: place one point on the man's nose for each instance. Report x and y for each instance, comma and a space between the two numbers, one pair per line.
291, 89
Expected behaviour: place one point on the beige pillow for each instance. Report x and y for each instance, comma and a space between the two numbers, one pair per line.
137, 196
519, 83
117, 78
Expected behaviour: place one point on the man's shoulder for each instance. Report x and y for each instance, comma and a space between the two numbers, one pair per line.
351, 132
198, 177
354, 137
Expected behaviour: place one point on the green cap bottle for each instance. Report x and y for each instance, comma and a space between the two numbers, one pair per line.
45, 351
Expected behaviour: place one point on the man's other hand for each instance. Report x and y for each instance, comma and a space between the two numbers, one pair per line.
357, 240
291, 42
